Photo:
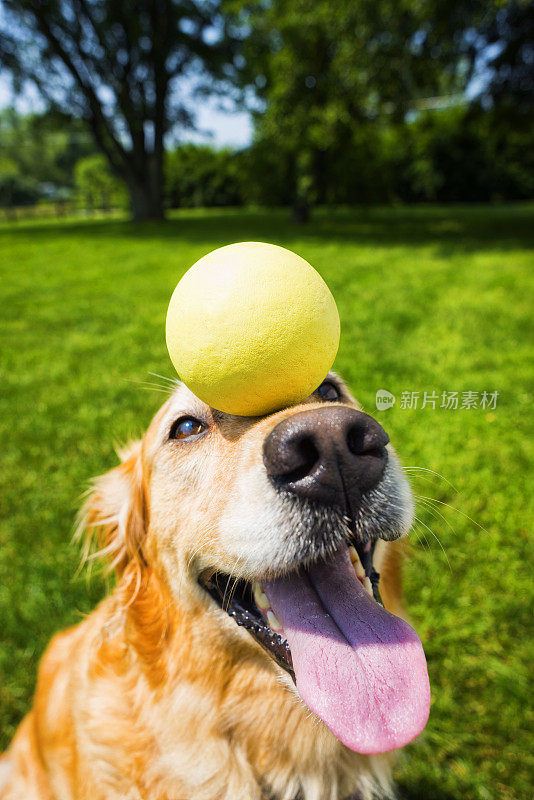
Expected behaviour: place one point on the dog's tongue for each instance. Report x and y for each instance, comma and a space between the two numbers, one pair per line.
358, 667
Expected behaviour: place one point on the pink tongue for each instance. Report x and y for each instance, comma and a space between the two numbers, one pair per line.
358, 667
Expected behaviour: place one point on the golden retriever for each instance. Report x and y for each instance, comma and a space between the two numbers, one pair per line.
241, 655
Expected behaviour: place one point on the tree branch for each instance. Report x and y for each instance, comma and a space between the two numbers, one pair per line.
119, 157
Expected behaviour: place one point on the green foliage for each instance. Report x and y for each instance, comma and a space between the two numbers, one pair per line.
198, 175
458, 154
430, 298
511, 66
96, 186
467, 154
15, 187
325, 69
39, 152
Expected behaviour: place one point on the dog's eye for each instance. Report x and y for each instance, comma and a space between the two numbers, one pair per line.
328, 392
186, 426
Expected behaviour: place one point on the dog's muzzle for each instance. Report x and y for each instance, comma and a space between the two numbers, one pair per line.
330, 455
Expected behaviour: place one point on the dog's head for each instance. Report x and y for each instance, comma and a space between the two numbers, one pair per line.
253, 518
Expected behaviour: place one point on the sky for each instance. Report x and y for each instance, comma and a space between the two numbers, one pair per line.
217, 127
228, 129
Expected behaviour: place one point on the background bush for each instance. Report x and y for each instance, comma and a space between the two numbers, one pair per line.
461, 154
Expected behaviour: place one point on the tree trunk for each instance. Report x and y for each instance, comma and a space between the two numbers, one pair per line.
301, 211
146, 197
146, 202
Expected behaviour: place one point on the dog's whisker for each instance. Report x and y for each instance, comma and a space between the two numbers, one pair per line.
155, 389
420, 521
164, 388
427, 505
458, 511
194, 554
420, 535
206, 539
227, 600
236, 566
154, 386
156, 383
433, 471
421, 478
205, 543
170, 381
232, 590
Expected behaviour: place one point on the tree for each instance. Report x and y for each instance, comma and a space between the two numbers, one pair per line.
510, 65
45, 146
118, 64
199, 175
323, 69
15, 187
506, 97
97, 187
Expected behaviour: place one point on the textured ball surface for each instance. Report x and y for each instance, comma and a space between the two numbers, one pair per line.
252, 328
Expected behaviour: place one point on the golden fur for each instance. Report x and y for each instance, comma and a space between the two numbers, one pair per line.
158, 694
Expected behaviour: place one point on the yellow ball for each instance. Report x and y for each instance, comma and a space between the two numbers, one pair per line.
252, 328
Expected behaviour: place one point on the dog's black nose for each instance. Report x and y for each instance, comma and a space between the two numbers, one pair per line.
331, 455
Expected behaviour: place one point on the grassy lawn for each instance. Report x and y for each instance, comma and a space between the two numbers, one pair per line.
431, 299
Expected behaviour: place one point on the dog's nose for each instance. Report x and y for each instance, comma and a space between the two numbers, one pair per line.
329, 455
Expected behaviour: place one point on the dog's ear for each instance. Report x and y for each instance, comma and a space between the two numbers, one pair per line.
113, 519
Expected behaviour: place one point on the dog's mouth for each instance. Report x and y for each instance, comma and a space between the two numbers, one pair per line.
247, 604
355, 665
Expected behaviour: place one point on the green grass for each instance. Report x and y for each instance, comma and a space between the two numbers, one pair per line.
430, 298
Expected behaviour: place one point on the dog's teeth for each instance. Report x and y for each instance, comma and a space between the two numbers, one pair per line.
260, 597
356, 563
367, 585
273, 622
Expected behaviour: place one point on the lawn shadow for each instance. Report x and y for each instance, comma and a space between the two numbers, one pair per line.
451, 228
425, 789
